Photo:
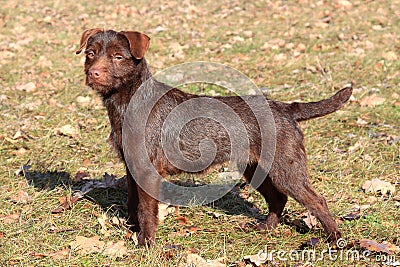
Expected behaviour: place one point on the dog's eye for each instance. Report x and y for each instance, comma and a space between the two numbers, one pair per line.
118, 57
90, 55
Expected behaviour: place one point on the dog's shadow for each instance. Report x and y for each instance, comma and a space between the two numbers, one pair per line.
108, 198
114, 199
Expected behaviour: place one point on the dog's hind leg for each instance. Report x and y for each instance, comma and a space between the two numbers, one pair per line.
294, 181
275, 199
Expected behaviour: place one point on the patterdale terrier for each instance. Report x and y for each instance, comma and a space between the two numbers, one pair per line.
115, 68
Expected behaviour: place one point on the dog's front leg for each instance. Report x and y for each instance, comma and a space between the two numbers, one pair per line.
148, 210
133, 202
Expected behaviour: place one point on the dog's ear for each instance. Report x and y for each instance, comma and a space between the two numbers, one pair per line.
85, 37
138, 43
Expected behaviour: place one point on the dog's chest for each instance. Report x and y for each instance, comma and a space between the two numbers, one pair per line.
116, 112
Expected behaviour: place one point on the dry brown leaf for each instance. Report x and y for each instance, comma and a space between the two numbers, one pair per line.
21, 197
312, 242
345, 4
65, 203
27, 87
80, 175
198, 261
58, 255
87, 245
376, 185
259, 258
104, 223
17, 135
384, 247
132, 237
372, 101
69, 130
355, 215
12, 218
164, 210
193, 229
61, 254
83, 101
310, 220
355, 147
390, 55
301, 264
115, 250
182, 220
43, 62
361, 122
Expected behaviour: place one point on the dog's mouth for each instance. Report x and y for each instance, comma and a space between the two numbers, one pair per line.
96, 84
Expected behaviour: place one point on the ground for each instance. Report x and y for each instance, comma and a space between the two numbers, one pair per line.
293, 50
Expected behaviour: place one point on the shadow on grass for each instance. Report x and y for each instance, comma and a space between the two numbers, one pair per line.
109, 199
114, 199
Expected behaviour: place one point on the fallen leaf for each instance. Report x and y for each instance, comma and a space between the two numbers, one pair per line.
22, 170
173, 246
86, 162
17, 135
384, 247
65, 203
27, 87
345, 4
83, 100
164, 210
69, 130
307, 264
87, 245
395, 96
372, 101
390, 55
376, 185
193, 229
310, 243
215, 214
44, 62
108, 181
352, 216
361, 122
198, 261
310, 220
260, 258
80, 175
248, 34
58, 255
132, 237
355, 147
21, 197
245, 226
305, 223
103, 221
182, 220
12, 218
115, 250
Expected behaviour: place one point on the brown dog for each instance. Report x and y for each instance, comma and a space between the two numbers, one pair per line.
115, 67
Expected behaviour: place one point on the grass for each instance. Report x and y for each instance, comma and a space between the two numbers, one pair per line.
282, 46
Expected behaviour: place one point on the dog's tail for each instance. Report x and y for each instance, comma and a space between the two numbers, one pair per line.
310, 110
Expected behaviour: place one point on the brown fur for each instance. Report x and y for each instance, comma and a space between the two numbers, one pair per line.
115, 68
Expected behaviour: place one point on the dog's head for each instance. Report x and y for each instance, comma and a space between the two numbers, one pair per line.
112, 58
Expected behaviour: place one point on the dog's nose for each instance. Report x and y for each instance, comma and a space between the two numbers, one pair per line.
95, 73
